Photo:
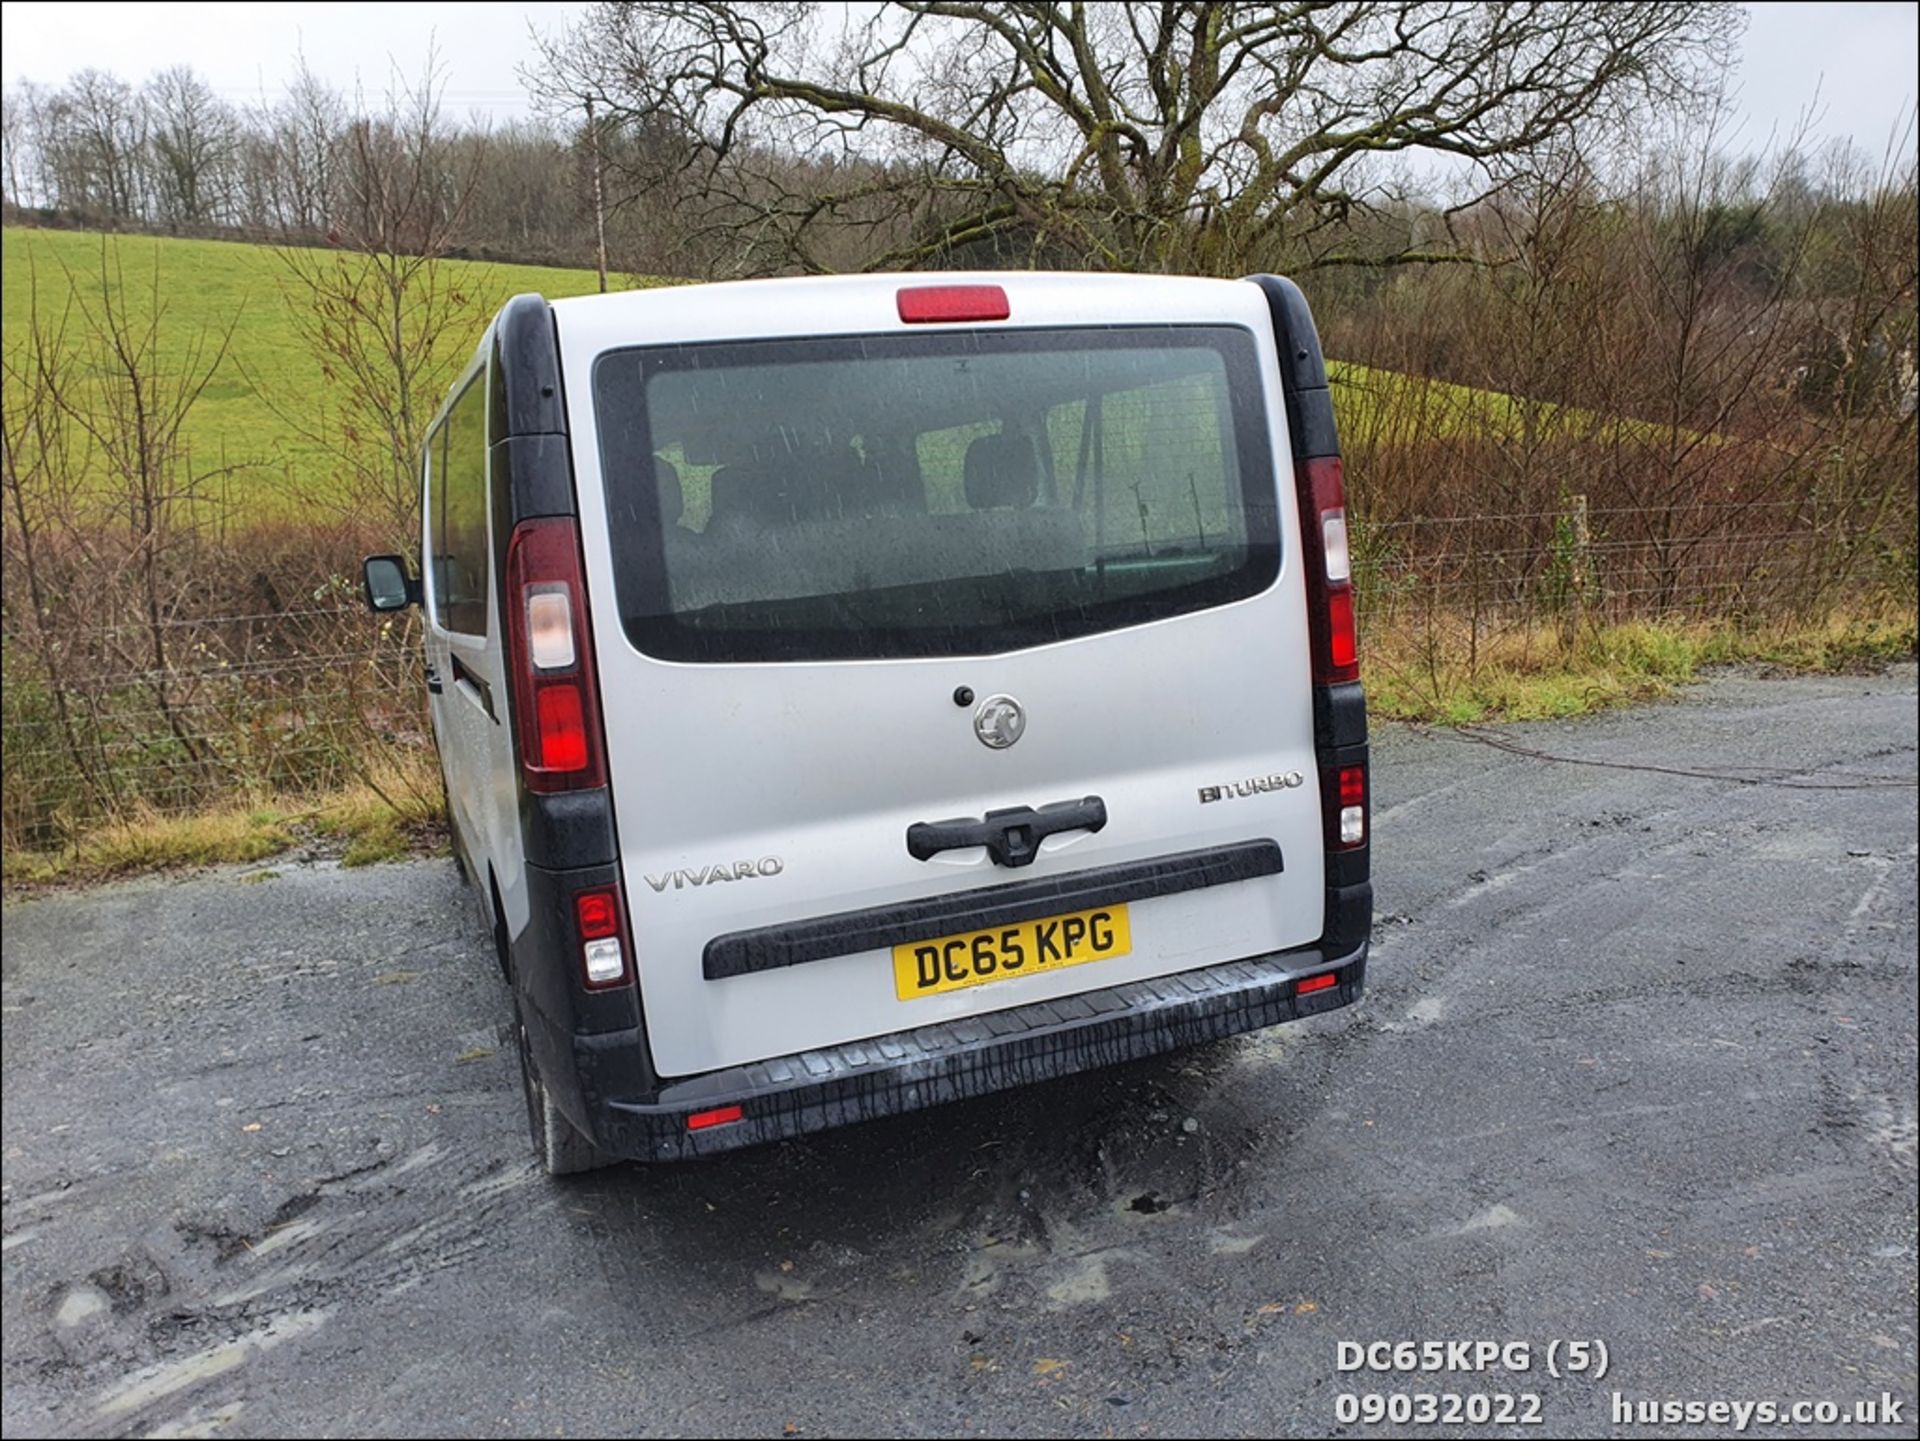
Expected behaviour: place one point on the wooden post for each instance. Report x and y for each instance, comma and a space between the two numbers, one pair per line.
1582, 549
1579, 564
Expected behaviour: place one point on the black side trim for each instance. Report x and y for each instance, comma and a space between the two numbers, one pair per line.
538, 475
569, 829
1303, 370
741, 953
562, 1015
526, 355
1349, 917
1339, 711
1339, 715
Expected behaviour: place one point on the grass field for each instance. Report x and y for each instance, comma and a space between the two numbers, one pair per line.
206, 284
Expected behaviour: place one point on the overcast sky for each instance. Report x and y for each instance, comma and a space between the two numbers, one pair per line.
1858, 58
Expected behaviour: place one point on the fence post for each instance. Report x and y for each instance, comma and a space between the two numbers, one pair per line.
1578, 567
1582, 546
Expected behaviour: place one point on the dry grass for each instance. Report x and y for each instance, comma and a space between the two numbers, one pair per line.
393, 812
146, 840
396, 807
1532, 672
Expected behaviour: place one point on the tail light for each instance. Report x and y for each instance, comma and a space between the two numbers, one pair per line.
550, 655
1323, 523
603, 942
1343, 793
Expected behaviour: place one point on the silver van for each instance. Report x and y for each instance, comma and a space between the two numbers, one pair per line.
860, 693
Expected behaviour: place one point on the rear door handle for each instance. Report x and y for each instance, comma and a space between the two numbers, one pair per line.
482, 692
1012, 837
433, 681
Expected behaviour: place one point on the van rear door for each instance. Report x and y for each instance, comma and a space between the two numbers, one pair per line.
866, 593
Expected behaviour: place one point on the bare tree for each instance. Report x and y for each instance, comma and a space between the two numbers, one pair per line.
129, 392
1859, 374
195, 140
305, 133
98, 126
374, 309
40, 482
16, 140
1202, 134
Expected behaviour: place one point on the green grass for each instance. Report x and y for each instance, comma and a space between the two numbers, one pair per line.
205, 284
1388, 407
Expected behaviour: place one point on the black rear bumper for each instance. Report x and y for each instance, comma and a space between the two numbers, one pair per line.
951, 1061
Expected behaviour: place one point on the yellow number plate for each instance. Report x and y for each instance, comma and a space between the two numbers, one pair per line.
952, 963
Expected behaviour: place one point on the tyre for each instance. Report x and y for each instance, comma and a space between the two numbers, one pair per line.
558, 1144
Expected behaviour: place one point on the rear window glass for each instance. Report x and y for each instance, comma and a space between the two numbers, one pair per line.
945, 493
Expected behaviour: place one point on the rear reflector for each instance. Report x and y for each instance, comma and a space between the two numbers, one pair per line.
921, 304
1324, 981
719, 1116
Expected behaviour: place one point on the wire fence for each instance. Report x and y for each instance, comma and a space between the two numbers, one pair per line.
170, 713
124, 711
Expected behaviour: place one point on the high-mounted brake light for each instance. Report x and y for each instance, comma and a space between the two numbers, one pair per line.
1323, 511
550, 656
922, 304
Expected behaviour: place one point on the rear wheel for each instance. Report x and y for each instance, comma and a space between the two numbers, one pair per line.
558, 1144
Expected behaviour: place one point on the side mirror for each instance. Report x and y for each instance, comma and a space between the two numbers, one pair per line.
388, 585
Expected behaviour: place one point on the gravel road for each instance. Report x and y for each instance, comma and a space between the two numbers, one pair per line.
1637, 1064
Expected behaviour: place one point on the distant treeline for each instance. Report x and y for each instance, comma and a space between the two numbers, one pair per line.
172, 156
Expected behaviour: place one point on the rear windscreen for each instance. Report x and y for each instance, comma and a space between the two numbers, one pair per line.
945, 493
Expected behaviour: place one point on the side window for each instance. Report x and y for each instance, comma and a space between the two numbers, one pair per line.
434, 463
461, 513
